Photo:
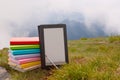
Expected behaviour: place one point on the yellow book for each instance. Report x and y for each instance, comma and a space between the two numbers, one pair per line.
25, 69
30, 64
27, 65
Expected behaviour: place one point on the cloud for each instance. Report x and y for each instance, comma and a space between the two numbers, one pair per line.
105, 11
17, 17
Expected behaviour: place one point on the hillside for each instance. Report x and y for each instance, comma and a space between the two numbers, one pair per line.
90, 59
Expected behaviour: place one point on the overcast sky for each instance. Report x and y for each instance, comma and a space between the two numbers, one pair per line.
15, 14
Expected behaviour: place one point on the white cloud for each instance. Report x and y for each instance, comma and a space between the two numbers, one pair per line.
21, 12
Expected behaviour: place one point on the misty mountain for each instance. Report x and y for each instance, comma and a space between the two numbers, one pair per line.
76, 30
76, 26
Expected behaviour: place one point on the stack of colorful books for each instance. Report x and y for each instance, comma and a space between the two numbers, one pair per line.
24, 53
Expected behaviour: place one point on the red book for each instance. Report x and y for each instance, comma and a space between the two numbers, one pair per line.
24, 40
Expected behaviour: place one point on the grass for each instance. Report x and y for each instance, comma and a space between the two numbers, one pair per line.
90, 59
114, 38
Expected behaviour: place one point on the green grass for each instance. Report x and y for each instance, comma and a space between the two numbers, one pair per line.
89, 59
114, 39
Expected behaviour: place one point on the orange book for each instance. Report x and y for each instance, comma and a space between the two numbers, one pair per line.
27, 65
25, 69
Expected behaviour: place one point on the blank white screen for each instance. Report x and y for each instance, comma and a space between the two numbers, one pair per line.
54, 45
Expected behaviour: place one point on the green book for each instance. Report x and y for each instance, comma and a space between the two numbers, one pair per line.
20, 47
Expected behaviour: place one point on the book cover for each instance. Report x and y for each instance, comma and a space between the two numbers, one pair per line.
18, 57
27, 51
23, 61
24, 40
27, 65
22, 47
25, 69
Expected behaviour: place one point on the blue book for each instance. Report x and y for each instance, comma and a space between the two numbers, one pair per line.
22, 52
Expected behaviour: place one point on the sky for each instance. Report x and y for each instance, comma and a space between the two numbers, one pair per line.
16, 16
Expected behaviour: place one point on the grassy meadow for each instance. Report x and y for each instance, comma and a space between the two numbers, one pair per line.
89, 59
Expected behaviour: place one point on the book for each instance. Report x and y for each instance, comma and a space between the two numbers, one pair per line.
27, 65
21, 47
27, 51
24, 40
18, 57
23, 61
25, 69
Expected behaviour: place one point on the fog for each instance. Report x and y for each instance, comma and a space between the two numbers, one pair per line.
17, 17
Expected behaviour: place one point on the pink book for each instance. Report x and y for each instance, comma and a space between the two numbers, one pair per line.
19, 57
23, 61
